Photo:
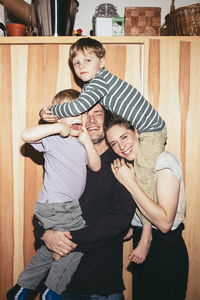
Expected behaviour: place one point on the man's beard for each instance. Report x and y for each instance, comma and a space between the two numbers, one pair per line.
98, 139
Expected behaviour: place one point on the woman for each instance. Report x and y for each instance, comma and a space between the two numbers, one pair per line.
163, 275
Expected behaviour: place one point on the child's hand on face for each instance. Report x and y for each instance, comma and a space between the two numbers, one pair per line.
65, 130
47, 114
84, 137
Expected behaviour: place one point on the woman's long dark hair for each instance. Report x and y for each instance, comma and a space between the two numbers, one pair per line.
112, 119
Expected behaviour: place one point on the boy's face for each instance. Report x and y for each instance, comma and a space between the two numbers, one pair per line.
87, 65
75, 123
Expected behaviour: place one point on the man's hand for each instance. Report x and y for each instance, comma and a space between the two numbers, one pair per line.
56, 257
59, 242
47, 115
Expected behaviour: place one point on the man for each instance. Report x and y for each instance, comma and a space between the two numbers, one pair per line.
108, 209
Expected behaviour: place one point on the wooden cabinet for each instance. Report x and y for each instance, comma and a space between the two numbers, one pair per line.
32, 70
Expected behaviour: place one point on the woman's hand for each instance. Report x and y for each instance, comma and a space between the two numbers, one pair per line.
46, 114
59, 242
123, 172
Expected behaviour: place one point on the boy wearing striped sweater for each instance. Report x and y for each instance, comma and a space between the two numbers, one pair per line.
87, 57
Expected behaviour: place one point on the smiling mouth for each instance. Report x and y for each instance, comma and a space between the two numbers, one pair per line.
92, 128
127, 151
77, 126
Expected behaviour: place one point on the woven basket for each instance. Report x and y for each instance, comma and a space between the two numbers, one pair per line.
182, 21
142, 20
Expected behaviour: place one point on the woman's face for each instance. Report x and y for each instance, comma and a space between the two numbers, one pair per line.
124, 142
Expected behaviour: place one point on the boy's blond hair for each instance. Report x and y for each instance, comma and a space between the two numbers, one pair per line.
67, 95
87, 44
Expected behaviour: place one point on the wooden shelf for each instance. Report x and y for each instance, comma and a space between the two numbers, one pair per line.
103, 39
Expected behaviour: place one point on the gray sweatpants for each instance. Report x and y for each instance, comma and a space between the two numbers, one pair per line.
58, 216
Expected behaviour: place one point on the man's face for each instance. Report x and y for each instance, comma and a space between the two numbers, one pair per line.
94, 123
86, 65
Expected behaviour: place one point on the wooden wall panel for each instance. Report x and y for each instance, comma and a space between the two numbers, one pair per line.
33, 74
6, 172
115, 60
19, 79
154, 73
33, 171
184, 95
51, 67
178, 103
192, 171
167, 71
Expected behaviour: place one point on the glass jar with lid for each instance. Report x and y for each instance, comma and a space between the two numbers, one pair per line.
105, 10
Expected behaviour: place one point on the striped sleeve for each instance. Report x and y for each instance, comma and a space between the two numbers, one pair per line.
90, 95
125, 100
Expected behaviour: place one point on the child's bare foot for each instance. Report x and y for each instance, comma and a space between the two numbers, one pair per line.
139, 254
129, 234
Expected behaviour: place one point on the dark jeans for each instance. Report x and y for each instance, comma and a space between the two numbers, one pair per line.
68, 296
164, 273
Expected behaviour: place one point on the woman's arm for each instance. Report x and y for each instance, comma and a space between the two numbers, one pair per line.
160, 214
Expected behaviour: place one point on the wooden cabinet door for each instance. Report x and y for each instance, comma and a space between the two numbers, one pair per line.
30, 75
165, 70
171, 83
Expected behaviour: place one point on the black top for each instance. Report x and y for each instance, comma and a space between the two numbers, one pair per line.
108, 209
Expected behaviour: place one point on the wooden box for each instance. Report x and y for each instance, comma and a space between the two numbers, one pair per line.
142, 20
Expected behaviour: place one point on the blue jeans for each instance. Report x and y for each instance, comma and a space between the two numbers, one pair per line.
68, 296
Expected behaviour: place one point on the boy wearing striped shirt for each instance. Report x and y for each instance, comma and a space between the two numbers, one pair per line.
87, 57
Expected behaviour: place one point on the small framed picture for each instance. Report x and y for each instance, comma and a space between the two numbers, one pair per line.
117, 26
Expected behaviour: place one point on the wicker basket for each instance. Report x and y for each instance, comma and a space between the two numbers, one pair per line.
182, 21
142, 20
